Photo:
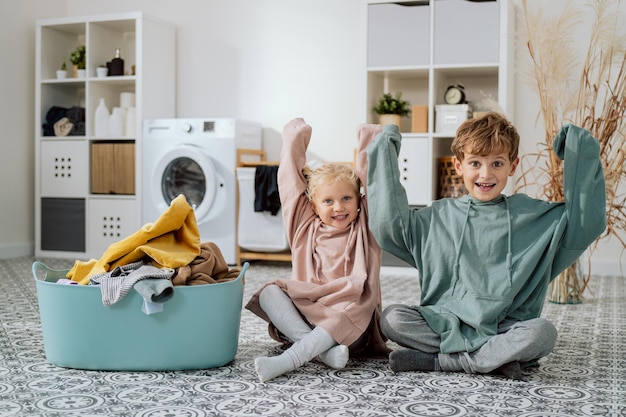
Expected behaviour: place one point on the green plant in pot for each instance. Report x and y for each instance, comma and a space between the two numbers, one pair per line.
391, 108
77, 58
62, 72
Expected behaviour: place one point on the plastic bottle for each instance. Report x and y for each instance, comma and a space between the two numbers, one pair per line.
116, 126
101, 125
116, 66
131, 119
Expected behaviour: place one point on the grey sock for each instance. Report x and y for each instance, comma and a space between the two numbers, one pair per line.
511, 370
403, 360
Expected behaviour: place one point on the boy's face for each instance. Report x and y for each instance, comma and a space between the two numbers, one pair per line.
336, 204
485, 176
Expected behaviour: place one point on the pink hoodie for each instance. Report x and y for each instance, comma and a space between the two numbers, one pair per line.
335, 279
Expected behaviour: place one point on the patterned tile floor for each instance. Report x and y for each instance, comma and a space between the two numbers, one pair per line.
584, 376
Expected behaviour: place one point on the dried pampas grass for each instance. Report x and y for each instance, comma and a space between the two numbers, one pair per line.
591, 94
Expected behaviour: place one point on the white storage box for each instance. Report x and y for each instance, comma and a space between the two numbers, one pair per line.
389, 22
466, 32
257, 231
448, 117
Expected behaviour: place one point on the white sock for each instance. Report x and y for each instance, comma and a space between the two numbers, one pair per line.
301, 352
270, 367
336, 357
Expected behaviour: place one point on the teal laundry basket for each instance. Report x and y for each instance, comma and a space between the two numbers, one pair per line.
197, 329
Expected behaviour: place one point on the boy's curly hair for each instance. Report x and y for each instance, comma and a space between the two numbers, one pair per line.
330, 173
484, 135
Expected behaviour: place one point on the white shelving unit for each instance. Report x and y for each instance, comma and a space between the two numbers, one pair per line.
88, 188
420, 48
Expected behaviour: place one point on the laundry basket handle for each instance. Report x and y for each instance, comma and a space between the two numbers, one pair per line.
244, 268
49, 274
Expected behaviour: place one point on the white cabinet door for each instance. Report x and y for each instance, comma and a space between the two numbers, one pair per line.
414, 162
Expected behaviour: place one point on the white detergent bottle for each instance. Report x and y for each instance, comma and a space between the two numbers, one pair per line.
116, 123
131, 118
101, 125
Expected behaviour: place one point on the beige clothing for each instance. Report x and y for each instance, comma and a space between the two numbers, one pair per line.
335, 282
209, 267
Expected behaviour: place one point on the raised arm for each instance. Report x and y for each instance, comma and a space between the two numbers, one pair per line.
389, 211
291, 182
365, 135
584, 190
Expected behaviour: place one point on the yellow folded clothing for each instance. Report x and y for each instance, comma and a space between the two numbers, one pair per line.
172, 241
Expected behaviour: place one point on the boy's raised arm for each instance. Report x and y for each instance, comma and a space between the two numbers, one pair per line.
389, 211
584, 190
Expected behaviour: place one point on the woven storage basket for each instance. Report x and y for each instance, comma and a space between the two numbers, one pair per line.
450, 184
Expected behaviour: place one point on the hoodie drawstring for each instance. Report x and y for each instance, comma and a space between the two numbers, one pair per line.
455, 268
509, 254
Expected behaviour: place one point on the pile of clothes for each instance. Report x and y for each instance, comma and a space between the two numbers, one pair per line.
155, 259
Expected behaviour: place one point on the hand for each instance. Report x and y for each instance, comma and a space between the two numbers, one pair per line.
366, 133
297, 130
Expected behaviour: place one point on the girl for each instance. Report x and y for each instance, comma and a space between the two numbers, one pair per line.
331, 305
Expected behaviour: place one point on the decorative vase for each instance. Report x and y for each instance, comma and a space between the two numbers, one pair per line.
102, 72
389, 119
80, 73
61, 74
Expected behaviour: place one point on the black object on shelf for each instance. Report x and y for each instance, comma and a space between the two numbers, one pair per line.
116, 66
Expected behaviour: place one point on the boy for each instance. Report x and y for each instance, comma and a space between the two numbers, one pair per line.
485, 260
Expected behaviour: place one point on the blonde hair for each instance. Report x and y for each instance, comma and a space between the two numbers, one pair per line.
330, 173
487, 134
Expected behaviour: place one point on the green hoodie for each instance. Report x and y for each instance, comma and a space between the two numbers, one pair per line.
483, 262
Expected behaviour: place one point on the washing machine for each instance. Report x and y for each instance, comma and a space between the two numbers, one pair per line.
197, 158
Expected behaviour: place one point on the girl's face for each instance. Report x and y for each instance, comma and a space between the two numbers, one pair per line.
336, 204
485, 176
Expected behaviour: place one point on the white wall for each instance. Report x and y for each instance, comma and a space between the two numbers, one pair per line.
262, 60
17, 106
267, 61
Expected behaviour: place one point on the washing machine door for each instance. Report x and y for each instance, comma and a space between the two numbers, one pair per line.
190, 171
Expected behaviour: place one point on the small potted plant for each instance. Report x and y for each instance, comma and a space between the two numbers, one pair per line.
102, 71
391, 108
77, 58
62, 73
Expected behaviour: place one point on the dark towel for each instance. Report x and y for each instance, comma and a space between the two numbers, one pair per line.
266, 197
75, 115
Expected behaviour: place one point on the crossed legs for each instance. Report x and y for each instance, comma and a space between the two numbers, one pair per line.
517, 343
308, 343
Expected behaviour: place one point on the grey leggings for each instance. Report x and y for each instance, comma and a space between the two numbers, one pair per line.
521, 341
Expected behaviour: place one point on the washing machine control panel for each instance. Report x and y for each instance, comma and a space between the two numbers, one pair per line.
186, 127
203, 126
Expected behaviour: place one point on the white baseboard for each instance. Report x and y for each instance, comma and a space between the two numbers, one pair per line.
399, 270
603, 267
598, 267
16, 251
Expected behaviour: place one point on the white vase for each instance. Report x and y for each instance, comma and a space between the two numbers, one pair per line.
61, 74
80, 73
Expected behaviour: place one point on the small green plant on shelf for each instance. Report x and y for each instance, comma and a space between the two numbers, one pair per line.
77, 56
63, 66
389, 104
